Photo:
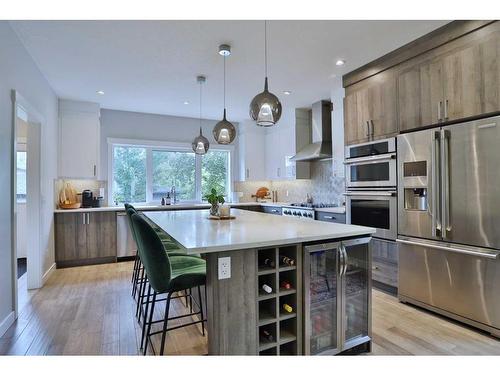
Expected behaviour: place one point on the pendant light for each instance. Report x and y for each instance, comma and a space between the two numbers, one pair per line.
200, 143
224, 132
265, 107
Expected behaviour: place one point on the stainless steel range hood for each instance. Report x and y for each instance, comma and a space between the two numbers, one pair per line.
321, 146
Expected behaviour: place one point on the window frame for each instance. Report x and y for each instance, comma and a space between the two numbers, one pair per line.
151, 146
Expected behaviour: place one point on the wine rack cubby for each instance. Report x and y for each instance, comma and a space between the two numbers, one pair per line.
279, 330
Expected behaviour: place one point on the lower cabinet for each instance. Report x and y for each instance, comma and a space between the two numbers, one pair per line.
330, 217
385, 262
274, 210
85, 238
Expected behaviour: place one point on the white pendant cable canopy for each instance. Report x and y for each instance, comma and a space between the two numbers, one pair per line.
265, 107
224, 131
200, 143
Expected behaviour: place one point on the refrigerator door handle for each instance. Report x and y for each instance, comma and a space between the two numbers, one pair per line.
445, 183
483, 253
436, 208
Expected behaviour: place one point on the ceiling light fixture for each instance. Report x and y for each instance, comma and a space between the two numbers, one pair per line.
340, 62
224, 50
200, 143
265, 107
100, 92
286, 92
186, 102
224, 132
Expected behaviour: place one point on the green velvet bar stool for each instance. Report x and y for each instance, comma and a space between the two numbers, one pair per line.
138, 276
167, 275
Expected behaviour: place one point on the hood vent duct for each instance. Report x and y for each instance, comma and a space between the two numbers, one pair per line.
321, 146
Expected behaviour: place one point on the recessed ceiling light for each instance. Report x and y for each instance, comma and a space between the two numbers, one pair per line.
100, 92
186, 102
286, 92
340, 62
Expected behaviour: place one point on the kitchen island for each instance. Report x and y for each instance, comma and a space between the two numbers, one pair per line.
318, 278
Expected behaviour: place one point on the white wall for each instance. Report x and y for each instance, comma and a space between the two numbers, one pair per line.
337, 98
22, 234
146, 126
18, 71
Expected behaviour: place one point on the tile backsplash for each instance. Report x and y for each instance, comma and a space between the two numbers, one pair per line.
323, 186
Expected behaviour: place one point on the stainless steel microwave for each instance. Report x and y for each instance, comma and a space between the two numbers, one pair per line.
371, 165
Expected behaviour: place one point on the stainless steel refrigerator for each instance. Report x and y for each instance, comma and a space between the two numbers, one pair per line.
449, 221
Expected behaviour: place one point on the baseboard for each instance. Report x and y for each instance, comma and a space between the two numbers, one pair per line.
7, 322
49, 273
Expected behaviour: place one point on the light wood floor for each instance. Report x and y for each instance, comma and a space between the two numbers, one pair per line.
89, 311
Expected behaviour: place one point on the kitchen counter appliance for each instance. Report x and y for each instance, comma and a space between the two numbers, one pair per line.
337, 296
449, 238
304, 209
126, 246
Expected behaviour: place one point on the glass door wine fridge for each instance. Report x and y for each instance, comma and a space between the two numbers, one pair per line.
337, 296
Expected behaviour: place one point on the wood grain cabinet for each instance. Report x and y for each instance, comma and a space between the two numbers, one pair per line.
85, 238
458, 80
370, 108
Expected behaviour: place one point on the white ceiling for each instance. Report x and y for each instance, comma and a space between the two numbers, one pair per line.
150, 66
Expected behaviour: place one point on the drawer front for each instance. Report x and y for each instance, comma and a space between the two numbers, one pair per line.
330, 217
271, 210
386, 273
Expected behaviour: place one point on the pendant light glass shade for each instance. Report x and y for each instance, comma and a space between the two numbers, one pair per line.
224, 132
265, 108
200, 144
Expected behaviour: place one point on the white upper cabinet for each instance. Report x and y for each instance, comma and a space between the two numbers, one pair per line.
79, 139
251, 139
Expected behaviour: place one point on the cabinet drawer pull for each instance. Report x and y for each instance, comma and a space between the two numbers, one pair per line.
330, 217
446, 109
439, 110
95, 170
367, 128
373, 128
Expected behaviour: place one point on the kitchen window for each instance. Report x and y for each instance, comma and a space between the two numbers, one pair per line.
145, 171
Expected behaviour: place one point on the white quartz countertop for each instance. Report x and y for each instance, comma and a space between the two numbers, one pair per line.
194, 231
177, 206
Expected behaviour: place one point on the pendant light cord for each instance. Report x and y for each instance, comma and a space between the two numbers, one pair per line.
224, 82
200, 105
265, 45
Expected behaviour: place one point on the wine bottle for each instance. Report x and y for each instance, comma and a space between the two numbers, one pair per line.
287, 261
286, 284
287, 308
266, 335
269, 262
266, 288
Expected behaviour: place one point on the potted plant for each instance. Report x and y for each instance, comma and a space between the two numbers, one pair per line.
214, 199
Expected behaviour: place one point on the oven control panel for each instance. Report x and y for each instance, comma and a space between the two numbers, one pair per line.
298, 212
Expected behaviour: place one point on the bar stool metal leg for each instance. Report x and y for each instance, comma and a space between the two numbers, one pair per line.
150, 322
201, 311
165, 323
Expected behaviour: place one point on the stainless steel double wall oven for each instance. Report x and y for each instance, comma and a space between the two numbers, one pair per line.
371, 192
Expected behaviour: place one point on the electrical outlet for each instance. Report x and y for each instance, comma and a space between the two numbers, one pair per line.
224, 268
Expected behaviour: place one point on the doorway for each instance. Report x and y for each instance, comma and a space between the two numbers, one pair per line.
26, 202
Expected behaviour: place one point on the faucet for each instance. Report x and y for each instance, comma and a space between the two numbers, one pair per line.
173, 195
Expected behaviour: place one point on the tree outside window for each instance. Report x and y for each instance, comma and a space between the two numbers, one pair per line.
129, 174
